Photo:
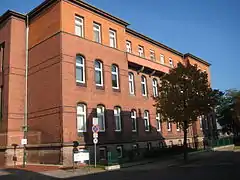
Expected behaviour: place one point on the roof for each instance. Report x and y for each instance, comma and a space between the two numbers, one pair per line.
197, 58
135, 33
10, 13
48, 3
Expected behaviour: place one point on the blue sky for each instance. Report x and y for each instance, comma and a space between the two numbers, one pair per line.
208, 29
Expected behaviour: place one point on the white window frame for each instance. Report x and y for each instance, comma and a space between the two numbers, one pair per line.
155, 88
113, 35
162, 60
79, 23
171, 62
131, 83
129, 46
97, 27
178, 126
144, 85
169, 126
99, 70
80, 66
146, 120
141, 51
121, 150
152, 55
158, 120
82, 114
134, 118
201, 122
117, 117
116, 73
102, 113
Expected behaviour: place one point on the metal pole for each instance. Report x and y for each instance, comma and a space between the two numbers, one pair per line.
95, 155
26, 100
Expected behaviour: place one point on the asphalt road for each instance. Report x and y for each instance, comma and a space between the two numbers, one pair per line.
216, 165
224, 165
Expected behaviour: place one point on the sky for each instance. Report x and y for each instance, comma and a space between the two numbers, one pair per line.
209, 29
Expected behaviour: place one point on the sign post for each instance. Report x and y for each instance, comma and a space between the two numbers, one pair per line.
95, 130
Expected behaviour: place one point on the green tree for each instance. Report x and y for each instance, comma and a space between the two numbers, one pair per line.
184, 95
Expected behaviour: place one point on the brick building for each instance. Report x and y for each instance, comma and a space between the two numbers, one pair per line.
81, 63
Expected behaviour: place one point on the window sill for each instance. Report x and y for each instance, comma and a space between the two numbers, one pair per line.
81, 84
118, 131
116, 89
134, 131
100, 87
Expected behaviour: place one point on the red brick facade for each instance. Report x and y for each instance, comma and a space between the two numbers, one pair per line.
53, 93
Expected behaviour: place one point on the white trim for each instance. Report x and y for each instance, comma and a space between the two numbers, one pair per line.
152, 55
102, 113
112, 35
79, 65
117, 114
79, 23
121, 150
134, 117
131, 83
99, 70
155, 88
171, 62
169, 126
162, 60
97, 28
159, 125
146, 119
82, 114
177, 126
116, 73
128, 46
144, 84
141, 51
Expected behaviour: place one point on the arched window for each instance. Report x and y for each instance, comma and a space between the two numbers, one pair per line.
117, 118
158, 120
98, 73
131, 83
144, 85
155, 88
115, 77
81, 118
80, 69
101, 117
146, 120
134, 120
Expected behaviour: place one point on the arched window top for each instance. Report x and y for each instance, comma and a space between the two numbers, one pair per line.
143, 78
146, 114
98, 63
114, 67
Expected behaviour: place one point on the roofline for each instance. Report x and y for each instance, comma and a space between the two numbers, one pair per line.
10, 13
83, 4
135, 33
197, 58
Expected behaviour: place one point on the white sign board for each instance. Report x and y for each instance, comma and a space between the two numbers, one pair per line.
95, 140
95, 121
81, 156
23, 141
95, 135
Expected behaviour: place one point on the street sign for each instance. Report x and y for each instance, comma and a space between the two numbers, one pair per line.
95, 140
95, 121
95, 129
23, 141
95, 135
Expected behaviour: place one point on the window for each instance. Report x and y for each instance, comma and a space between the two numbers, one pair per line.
144, 85
81, 118
131, 83
206, 123
102, 153
162, 59
112, 37
158, 120
79, 26
155, 88
149, 146
178, 126
152, 55
170, 143
115, 77
188, 143
119, 151
80, 69
99, 73
117, 117
134, 120
169, 126
171, 62
101, 117
97, 32
141, 51
179, 142
146, 120
129, 46
200, 121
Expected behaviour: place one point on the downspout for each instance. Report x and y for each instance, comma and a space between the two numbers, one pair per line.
25, 122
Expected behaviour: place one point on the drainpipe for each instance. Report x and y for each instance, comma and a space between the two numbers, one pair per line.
25, 123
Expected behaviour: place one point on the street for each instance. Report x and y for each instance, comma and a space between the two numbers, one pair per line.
221, 165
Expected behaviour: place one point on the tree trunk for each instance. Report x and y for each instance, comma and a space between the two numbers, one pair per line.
185, 146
